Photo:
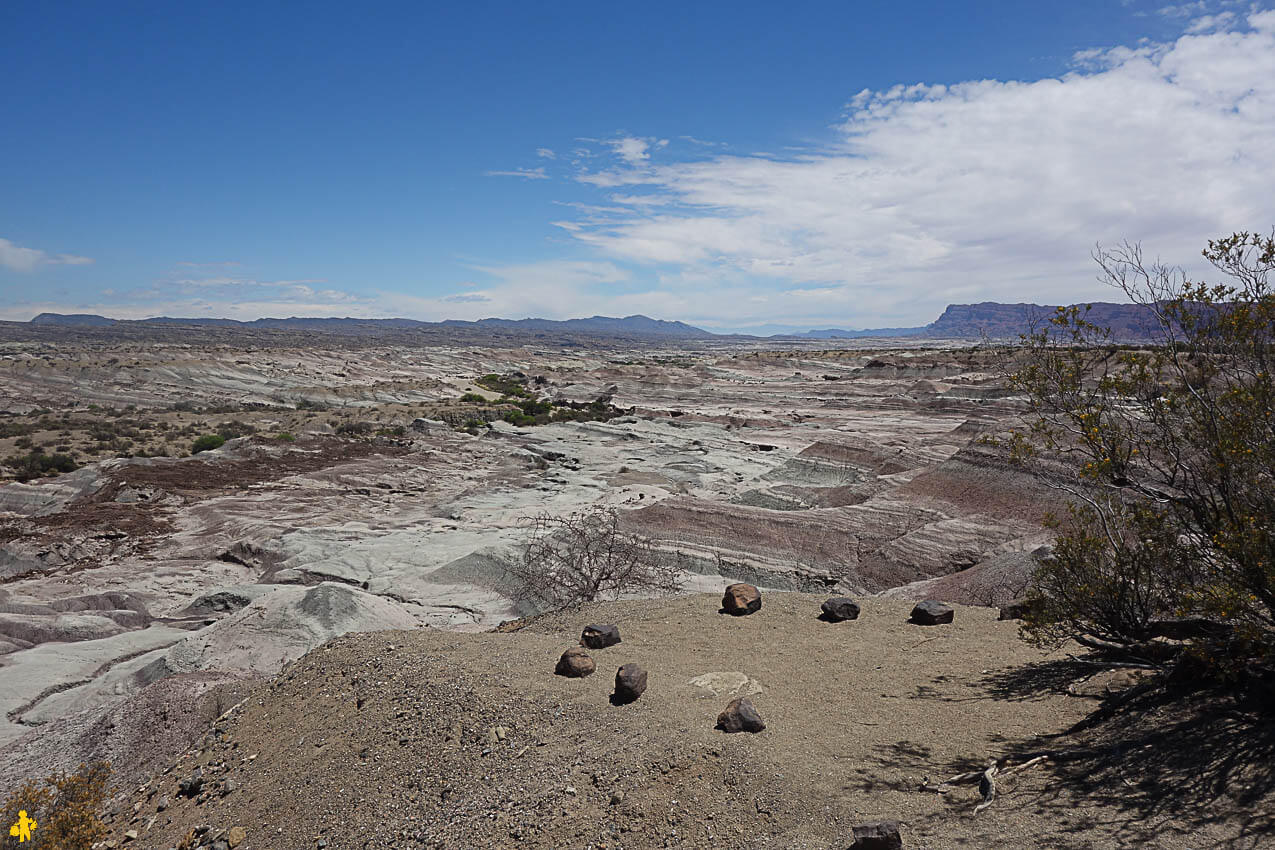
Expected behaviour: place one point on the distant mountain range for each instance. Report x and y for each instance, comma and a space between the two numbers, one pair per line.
959, 321
628, 326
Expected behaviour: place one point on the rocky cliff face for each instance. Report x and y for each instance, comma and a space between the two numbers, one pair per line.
1128, 322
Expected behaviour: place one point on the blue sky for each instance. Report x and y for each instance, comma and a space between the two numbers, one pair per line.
736, 165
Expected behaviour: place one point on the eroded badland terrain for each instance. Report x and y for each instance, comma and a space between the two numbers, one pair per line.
367, 486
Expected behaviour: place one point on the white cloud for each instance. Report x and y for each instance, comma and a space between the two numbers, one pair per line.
982, 190
1184, 10
634, 150
526, 173
1211, 23
546, 153
552, 289
205, 290
17, 258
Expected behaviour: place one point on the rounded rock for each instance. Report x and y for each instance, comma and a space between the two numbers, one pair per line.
931, 612
840, 608
740, 716
575, 663
630, 683
740, 599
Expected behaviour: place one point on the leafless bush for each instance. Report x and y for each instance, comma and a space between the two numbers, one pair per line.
586, 557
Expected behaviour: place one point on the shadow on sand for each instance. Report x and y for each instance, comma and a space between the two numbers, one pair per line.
1148, 767
1198, 759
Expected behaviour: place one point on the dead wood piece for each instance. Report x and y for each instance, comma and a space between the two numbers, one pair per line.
986, 778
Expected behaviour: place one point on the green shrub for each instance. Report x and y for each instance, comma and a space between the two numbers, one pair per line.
16, 429
286, 436
517, 417
473, 398
38, 465
235, 428
533, 407
507, 385
207, 442
65, 807
1167, 453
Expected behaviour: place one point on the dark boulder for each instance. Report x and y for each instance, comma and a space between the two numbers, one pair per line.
630, 683
192, 785
882, 835
740, 716
931, 613
575, 663
840, 608
740, 599
600, 636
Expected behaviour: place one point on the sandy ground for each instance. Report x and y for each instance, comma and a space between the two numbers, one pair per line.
442, 739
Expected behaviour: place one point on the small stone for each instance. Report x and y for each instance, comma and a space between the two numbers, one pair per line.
162, 804
236, 836
740, 599
617, 797
882, 835
740, 716
600, 636
575, 663
131, 835
227, 786
931, 612
192, 785
630, 683
840, 608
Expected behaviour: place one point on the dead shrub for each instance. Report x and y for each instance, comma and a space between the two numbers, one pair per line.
586, 557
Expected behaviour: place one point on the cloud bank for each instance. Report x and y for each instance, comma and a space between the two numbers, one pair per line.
20, 259
983, 190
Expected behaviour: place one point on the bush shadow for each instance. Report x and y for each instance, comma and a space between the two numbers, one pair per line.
1199, 759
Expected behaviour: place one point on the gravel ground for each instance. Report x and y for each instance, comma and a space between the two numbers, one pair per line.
443, 739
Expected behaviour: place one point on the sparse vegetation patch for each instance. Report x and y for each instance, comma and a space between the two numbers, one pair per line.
207, 443
1168, 455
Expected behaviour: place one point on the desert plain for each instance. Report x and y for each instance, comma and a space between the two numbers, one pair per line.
373, 484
